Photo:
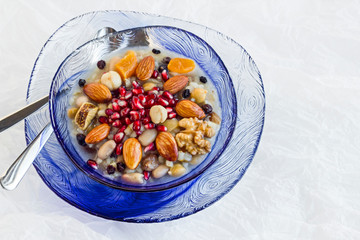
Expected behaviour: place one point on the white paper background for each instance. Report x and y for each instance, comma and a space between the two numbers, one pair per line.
304, 182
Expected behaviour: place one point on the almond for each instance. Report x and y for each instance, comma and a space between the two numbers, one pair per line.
97, 92
145, 68
166, 146
98, 134
176, 83
132, 153
188, 109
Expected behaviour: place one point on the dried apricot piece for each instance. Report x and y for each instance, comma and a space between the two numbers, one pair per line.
181, 65
127, 65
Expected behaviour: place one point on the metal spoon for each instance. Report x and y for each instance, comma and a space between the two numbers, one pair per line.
20, 166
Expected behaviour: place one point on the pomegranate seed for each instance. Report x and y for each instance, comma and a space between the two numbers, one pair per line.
146, 175
142, 99
117, 123
150, 103
127, 121
124, 112
164, 75
116, 107
136, 103
137, 91
92, 164
115, 116
138, 133
150, 147
169, 109
118, 149
161, 128
155, 74
146, 120
110, 121
132, 106
156, 88
103, 119
171, 115
135, 84
123, 121
119, 137
109, 112
152, 96
122, 129
137, 123
163, 102
136, 127
149, 126
134, 115
147, 112
122, 91
142, 113
115, 100
172, 102
128, 95
168, 95
122, 103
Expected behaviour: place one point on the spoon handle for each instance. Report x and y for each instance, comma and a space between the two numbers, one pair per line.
19, 115
18, 169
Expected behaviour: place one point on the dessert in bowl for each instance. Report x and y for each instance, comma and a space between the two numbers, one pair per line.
143, 109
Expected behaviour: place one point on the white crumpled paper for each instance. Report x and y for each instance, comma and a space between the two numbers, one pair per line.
304, 182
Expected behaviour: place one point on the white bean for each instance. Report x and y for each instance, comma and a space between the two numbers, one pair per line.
136, 178
177, 170
106, 149
147, 137
160, 171
148, 86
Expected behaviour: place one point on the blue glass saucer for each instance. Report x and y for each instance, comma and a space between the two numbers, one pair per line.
75, 187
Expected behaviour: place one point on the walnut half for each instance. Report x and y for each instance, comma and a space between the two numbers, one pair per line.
192, 138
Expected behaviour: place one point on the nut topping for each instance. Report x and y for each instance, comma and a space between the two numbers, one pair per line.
188, 109
192, 138
145, 68
98, 134
176, 83
132, 153
98, 92
166, 146
158, 114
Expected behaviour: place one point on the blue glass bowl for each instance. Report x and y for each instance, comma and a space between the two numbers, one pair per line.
81, 62
73, 186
